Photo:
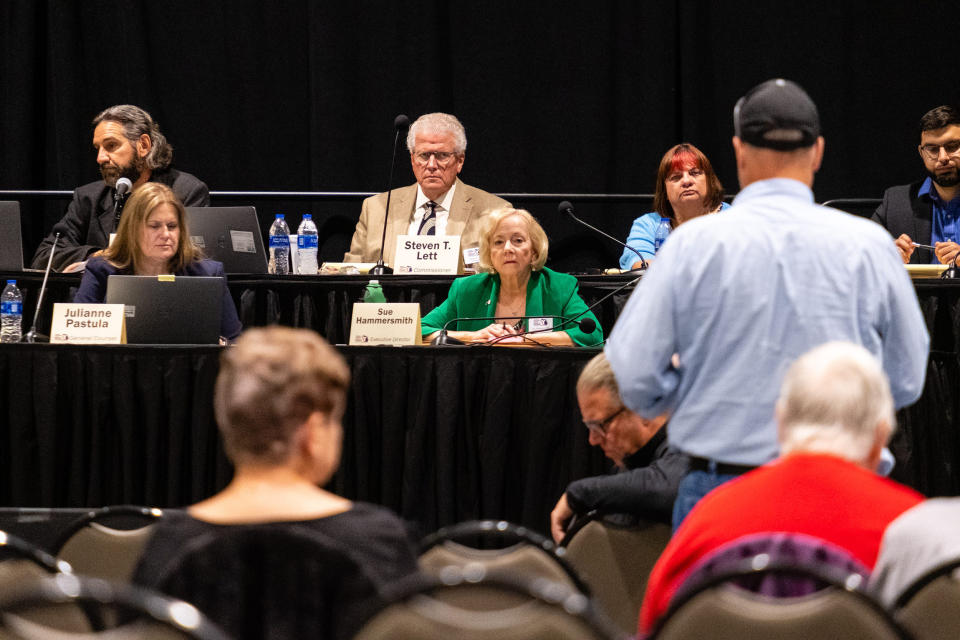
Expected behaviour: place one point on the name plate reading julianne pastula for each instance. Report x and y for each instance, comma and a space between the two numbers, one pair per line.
88, 323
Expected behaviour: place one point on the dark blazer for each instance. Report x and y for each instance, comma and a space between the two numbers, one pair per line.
93, 288
903, 211
89, 220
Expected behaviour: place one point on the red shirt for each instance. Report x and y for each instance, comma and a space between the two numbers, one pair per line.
817, 495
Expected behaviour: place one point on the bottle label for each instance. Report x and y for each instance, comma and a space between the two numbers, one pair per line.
279, 241
11, 308
307, 242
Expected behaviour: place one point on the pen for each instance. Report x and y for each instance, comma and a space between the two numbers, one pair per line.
923, 246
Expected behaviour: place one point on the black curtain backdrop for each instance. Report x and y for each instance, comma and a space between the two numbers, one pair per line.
556, 97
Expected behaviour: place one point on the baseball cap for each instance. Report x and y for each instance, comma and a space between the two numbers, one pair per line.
777, 114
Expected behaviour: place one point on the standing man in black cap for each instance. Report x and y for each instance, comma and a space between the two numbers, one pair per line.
733, 300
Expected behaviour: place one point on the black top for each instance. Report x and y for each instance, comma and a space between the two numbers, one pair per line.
315, 578
904, 210
646, 489
89, 220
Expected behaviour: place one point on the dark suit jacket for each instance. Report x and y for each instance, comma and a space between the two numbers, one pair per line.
467, 211
903, 211
88, 223
93, 288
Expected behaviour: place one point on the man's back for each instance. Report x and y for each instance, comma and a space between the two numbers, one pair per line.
739, 296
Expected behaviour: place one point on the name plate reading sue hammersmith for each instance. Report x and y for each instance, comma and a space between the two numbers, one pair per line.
434, 255
87, 323
385, 323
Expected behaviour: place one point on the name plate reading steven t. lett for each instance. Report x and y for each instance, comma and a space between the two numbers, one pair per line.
385, 323
84, 323
434, 255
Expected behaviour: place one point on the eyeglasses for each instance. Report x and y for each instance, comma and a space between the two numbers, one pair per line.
600, 426
932, 151
444, 158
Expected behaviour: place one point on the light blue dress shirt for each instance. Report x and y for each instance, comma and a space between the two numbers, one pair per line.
642, 235
740, 296
945, 226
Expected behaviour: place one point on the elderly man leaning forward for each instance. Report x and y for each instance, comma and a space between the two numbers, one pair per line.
732, 300
834, 415
438, 204
129, 145
648, 473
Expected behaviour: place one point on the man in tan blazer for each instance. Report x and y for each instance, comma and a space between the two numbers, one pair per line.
439, 200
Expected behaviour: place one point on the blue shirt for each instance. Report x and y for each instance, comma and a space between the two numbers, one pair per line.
944, 227
642, 235
740, 296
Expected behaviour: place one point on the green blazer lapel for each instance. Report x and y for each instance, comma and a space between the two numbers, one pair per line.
534, 296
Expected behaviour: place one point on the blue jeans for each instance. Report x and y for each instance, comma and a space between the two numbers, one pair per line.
694, 486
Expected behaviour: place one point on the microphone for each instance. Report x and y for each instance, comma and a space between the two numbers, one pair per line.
587, 325
120, 192
32, 335
400, 123
566, 208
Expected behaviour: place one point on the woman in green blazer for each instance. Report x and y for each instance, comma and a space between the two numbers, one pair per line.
513, 250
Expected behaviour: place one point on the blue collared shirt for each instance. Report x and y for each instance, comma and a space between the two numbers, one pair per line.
740, 296
945, 225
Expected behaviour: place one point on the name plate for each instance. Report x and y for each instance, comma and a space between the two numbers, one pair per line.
385, 323
436, 255
85, 323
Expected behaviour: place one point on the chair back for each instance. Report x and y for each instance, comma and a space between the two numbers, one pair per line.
146, 614
511, 549
615, 563
95, 548
789, 591
270, 581
930, 608
536, 609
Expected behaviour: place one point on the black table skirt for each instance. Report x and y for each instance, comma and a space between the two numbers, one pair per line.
439, 435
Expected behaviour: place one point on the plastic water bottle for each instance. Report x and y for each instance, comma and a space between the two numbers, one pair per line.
307, 244
373, 292
279, 246
11, 312
663, 230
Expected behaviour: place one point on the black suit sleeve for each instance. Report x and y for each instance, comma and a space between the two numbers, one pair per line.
647, 491
74, 231
194, 193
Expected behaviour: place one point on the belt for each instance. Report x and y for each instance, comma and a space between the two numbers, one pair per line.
723, 468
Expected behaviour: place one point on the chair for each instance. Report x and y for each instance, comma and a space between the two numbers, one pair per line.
526, 552
766, 596
266, 581
94, 549
930, 607
539, 609
148, 615
615, 563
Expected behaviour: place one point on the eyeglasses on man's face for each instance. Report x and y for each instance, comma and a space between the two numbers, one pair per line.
443, 158
600, 427
932, 151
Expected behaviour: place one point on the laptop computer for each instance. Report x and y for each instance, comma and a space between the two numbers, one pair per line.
11, 242
169, 309
230, 235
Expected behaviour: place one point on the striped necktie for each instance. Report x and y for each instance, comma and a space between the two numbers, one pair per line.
429, 225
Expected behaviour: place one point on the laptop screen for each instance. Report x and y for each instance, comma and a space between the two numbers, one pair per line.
169, 309
11, 244
230, 235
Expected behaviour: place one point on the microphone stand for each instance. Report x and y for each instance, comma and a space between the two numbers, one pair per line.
32, 335
379, 269
567, 208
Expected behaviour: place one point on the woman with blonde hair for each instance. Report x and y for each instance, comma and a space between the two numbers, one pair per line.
153, 239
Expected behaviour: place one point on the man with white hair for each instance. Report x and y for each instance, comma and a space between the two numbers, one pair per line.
439, 204
834, 416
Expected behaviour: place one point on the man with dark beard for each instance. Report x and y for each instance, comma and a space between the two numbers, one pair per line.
923, 216
129, 145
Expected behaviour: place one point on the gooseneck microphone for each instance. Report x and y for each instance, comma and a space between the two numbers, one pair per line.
400, 123
32, 335
120, 192
566, 208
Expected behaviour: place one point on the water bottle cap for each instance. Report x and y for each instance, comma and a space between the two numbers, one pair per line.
279, 216
11, 282
307, 216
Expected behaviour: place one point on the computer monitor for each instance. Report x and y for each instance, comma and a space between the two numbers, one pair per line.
230, 235
169, 309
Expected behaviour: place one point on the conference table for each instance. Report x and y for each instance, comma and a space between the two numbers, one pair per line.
440, 434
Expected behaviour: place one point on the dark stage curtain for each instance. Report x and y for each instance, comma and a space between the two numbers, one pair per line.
556, 97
